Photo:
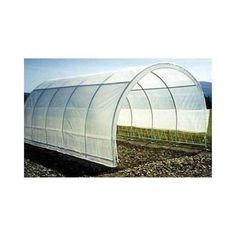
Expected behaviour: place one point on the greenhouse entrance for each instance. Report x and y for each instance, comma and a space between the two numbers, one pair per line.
154, 111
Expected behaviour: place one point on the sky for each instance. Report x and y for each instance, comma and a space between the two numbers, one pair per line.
37, 71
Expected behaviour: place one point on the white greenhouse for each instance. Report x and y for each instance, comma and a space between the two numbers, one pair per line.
79, 116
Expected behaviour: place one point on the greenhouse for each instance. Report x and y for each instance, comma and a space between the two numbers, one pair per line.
84, 116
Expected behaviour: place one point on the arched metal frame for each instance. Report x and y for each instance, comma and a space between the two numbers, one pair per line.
46, 115
40, 95
132, 83
149, 103
90, 103
124, 95
174, 103
131, 112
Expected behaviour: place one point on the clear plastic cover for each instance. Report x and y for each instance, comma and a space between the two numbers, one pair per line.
99, 120
141, 110
54, 116
39, 115
29, 108
125, 117
75, 116
123, 76
173, 77
164, 114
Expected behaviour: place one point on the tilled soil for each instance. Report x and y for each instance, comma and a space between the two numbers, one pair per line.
135, 160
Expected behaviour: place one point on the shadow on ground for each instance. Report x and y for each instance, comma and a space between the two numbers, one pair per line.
59, 165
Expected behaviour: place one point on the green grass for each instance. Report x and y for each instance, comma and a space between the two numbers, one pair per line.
166, 135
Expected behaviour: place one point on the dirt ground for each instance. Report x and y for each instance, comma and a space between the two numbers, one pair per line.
137, 159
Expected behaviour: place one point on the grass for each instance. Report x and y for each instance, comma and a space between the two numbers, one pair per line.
124, 132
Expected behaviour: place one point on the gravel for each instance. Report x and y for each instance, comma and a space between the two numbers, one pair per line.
187, 166
135, 160
33, 169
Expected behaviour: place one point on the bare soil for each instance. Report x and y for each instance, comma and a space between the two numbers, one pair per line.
136, 159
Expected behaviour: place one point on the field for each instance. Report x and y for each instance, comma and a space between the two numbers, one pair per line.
133, 133
139, 155
181, 137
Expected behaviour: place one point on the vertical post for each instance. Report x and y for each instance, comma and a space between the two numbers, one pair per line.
150, 105
131, 117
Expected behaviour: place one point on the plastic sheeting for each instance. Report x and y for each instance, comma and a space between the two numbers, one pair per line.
78, 116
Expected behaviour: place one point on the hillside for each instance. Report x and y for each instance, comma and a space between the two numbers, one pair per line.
25, 96
207, 88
